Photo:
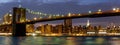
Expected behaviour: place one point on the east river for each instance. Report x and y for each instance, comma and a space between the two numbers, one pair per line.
39, 40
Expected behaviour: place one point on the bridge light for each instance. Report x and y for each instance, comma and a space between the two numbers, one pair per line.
62, 15
90, 12
40, 17
69, 14
34, 34
79, 14
99, 11
114, 9
50, 16
58, 15
40, 13
45, 14
28, 20
73, 14
10, 15
53, 15
35, 18
117, 9
3, 23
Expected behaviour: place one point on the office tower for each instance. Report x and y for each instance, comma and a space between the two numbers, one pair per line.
59, 28
75, 29
48, 29
67, 26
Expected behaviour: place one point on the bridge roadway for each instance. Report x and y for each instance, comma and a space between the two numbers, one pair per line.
89, 15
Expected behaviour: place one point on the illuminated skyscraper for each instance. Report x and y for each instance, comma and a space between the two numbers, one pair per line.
88, 23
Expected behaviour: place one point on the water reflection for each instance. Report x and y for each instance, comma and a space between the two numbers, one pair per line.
17, 40
38, 40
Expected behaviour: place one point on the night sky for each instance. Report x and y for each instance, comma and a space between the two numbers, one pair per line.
64, 7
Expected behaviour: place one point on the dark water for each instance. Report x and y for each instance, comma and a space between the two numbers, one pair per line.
38, 40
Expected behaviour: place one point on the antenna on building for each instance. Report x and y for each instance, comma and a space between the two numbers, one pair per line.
88, 23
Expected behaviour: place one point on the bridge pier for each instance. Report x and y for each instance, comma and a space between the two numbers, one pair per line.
19, 30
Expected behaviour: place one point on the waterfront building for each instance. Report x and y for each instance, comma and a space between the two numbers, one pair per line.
29, 28
81, 31
48, 29
7, 19
59, 28
75, 29
42, 29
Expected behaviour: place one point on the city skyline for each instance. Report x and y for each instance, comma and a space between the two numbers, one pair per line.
64, 7
59, 22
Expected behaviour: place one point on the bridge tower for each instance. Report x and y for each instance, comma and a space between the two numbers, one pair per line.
19, 15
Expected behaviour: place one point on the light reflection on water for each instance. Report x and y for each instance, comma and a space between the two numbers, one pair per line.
38, 40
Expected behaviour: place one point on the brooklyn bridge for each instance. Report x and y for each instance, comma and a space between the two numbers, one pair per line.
19, 20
